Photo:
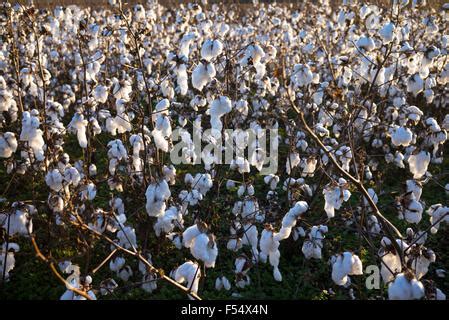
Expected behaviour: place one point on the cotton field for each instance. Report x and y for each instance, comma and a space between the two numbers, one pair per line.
216, 150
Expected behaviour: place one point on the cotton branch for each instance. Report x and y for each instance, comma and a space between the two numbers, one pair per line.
52, 266
391, 230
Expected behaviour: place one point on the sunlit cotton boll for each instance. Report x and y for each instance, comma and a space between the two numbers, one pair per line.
211, 49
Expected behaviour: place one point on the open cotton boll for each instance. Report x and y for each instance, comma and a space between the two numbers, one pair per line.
420, 259
127, 237
166, 223
402, 137
415, 84
222, 283
405, 287
253, 53
269, 248
159, 140
219, 107
334, 196
387, 32
289, 220
116, 264
205, 248
32, 134
156, 195
302, 75
438, 214
293, 161
312, 247
54, 179
211, 49
182, 79
391, 261
272, 180
189, 235
101, 93
343, 265
7, 260
189, 272
415, 187
8, 144
413, 210
365, 43
72, 176
19, 222
419, 163
202, 75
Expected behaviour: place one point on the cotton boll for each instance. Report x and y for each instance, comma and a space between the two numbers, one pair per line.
402, 137
418, 164
156, 195
413, 212
211, 49
8, 144
32, 134
250, 238
182, 79
189, 272
189, 235
404, 287
415, 84
205, 249
312, 247
202, 75
269, 247
72, 176
391, 261
438, 214
166, 223
343, 265
366, 43
19, 221
54, 179
293, 161
387, 32
127, 237
219, 107
289, 220
100, 94
334, 197
414, 187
